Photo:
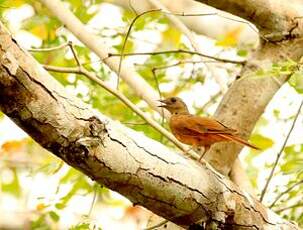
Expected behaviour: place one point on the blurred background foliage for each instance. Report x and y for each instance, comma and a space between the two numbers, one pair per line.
26, 168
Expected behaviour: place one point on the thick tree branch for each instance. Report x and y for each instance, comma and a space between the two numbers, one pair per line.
274, 18
143, 170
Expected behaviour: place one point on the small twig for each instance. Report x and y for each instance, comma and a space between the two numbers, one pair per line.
178, 23
176, 64
289, 207
182, 14
157, 225
300, 204
285, 192
178, 51
157, 68
95, 198
132, 123
71, 46
125, 40
131, 7
247, 23
49, 49
280, 153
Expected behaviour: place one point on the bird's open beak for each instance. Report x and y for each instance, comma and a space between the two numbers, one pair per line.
164, 104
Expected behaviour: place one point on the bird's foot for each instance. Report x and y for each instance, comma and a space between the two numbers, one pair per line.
206, 148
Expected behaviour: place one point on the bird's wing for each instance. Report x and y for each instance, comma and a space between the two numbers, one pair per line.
195, 125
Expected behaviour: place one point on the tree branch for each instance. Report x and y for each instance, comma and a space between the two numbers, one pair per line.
277, 18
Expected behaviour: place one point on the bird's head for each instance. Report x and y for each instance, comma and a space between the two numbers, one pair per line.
174, 105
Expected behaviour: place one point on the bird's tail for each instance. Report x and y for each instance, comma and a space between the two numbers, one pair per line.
239, 140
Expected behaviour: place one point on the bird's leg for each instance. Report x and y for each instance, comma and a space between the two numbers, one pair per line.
206, 148
187, 151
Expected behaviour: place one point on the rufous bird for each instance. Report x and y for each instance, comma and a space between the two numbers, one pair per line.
198, 131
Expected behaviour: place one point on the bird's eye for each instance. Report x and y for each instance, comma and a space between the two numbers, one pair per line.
173, 99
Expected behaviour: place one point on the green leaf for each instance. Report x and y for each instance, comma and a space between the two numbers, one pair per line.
81, 226
60, 206
261, 141
242, 53
54, 216
40, 224
296, 81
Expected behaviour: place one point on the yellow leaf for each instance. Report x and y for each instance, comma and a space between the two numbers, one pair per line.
171, 37
40, 31
231, 38
14, 146
40, 207
261, 141
16, 3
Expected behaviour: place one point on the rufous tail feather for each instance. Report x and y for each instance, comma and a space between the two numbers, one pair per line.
239, 140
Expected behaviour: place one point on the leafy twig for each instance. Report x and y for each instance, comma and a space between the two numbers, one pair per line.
49, 49
71, 46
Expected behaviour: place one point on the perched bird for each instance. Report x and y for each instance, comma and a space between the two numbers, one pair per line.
195, 130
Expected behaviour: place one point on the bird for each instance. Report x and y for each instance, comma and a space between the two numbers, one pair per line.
198, 131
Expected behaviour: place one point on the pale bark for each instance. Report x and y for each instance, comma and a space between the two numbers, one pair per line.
139, 168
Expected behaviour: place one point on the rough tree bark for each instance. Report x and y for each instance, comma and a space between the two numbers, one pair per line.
281, 29
141, 169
